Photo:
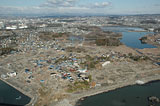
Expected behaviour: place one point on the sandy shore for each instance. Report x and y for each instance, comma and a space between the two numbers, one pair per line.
74, 98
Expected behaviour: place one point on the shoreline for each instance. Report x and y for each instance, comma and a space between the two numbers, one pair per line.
75, 98
32, 97
151, 40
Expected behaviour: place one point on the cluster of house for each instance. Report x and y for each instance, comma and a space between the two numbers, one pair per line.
60, 68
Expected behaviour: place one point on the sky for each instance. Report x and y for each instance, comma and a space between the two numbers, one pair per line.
105, 7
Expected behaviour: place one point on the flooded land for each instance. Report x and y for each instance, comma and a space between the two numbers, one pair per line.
61, 61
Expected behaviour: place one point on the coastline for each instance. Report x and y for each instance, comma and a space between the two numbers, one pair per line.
73, 100
75, 97
32, 97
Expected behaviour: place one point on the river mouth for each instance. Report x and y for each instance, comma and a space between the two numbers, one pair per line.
11, 96
135, 95
131, 36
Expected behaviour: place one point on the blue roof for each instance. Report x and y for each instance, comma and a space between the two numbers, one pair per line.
26, 70
52, 66
74, 59
41, 60
158, 63
41, 80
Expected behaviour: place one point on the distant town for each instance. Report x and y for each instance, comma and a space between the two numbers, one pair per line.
58, 60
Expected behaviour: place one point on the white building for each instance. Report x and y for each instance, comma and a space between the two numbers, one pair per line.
105, 63
12, 74
11, 27
82, 70
23, 27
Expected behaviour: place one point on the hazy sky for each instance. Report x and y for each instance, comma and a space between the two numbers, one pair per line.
80, 6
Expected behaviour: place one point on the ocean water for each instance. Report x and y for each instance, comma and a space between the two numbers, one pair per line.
9, 95
136, 95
